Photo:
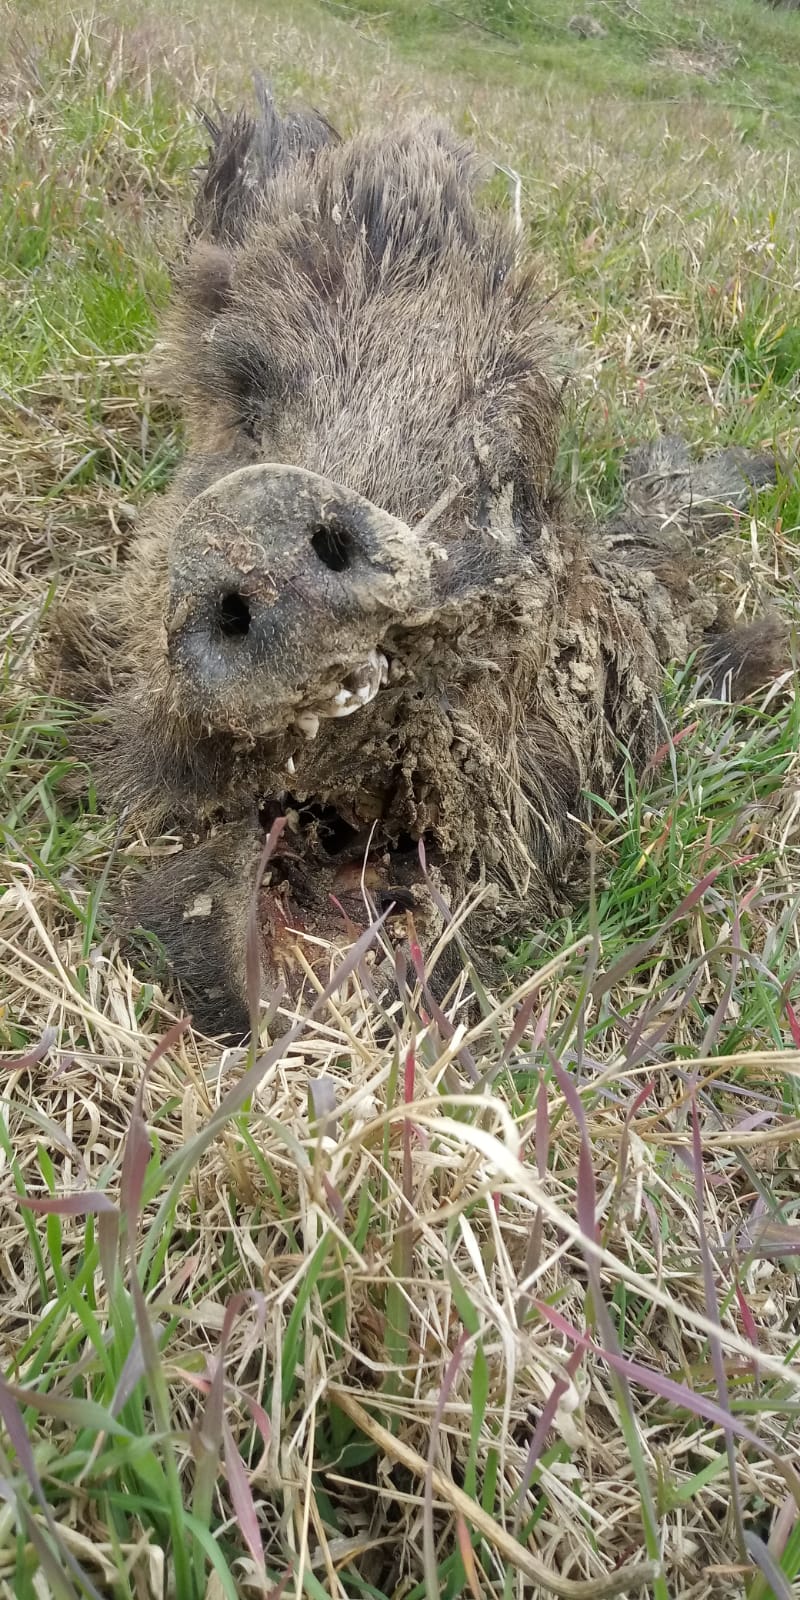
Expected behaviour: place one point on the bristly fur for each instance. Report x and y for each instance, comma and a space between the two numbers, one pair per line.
349, 308
348, 255
246, 153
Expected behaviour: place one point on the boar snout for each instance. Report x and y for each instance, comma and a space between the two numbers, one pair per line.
282, 586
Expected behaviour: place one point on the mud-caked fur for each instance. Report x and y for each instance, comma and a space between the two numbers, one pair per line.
348, 308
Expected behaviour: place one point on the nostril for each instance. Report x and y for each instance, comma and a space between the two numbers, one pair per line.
233, 616
333, 544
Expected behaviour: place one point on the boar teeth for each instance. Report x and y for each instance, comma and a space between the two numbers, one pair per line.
345, 703
359, 688
362, 686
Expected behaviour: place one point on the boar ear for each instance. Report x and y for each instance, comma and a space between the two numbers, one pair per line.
246, 152
208, 279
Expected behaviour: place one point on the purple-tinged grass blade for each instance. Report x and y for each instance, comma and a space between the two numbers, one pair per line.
211, 1436
791, 1018
577, 1020
533, 1252
334, 1200
586, 1192
322, 1104
641, 1046
255, 1409
783, 1525
670, 744
33, 1056
396, 1304
211, 1426
633, 1108
258, 1415
443, 1023
428, 1542
18, 1436
467, 1555
242, 1500
80, 1413
713, 1030
159, 1397
133, 1370
519, 1027
750, 1326
135, 1161
165, 1043
712, 1311
587, 1219
60, 1586
636, 953
91, 1203
542, 1139
409, 1084
543, 1426
137, 1144
676, 1394
767, 1566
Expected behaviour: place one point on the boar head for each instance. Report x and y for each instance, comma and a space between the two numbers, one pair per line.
352, 347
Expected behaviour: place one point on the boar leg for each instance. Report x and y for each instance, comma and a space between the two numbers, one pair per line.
738, 661
668, 490
672, 506
197, 904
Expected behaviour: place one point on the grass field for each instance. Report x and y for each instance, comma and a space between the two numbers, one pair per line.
385, 1308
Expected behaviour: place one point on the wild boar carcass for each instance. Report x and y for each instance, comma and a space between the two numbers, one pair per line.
360, 605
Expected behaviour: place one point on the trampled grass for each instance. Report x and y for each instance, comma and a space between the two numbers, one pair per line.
394, 1305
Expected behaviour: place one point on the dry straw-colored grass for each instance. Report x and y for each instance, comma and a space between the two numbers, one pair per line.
400, 1302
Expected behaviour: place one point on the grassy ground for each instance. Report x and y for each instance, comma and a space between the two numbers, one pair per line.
392, 1309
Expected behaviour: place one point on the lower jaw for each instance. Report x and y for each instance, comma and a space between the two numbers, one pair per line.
326, 884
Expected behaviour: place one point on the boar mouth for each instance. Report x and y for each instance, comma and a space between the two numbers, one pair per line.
356, 689
330, 874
